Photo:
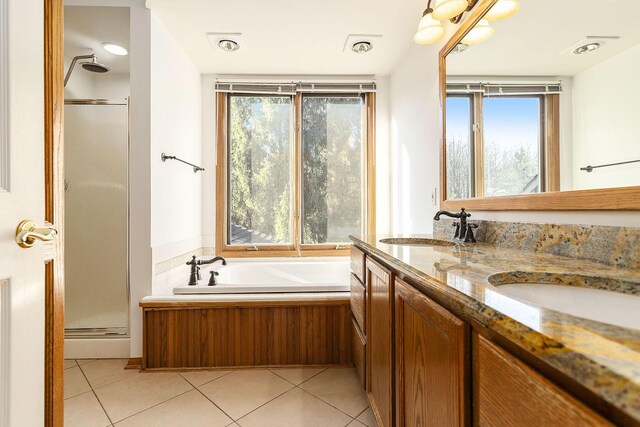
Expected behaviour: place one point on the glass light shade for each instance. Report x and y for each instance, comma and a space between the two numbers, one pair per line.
502, 9
429, 30
447, 9
479, 33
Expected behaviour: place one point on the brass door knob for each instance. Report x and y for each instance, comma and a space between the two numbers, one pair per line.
28, 232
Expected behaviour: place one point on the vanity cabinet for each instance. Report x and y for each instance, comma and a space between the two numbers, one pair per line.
421, 365
432, 348
380, 339
509, 393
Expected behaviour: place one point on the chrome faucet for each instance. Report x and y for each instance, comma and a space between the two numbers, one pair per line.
194, 275
464, 231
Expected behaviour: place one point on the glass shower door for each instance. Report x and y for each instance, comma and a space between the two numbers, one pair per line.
96, 218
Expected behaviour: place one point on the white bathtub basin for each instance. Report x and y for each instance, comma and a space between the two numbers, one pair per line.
274, 277
614, 308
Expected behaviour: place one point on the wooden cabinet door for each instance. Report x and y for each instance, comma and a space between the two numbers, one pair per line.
380, 355
431, 362
509, 393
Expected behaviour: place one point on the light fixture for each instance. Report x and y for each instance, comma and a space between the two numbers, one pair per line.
460, 47
429, 30
448, 9
502, 9
228, 45
481, 32
361, 47
116, 49
589, 47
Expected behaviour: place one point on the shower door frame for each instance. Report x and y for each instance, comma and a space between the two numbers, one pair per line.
112, 332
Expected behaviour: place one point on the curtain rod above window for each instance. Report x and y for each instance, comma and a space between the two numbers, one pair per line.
292, 87
499, 89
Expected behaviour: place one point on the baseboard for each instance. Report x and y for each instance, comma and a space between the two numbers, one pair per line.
134, 363
97, 348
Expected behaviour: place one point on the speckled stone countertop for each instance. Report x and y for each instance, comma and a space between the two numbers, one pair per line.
603, 358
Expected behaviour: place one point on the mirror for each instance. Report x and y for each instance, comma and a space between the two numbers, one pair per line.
549, 102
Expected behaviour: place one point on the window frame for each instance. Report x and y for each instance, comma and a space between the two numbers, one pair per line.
295, 248
549, 150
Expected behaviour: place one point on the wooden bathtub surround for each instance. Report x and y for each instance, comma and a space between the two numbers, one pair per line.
203, 335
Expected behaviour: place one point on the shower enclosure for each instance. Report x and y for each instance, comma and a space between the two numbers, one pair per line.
96, 218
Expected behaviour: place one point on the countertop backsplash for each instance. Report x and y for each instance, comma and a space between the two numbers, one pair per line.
616, 246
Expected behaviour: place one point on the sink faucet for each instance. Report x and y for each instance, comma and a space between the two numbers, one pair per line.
194, 275
464, 231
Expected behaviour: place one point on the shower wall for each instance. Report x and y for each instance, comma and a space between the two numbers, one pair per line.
96, 217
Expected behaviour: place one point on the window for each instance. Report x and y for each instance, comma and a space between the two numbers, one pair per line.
260, 146
488, 155
459, 147
293, 175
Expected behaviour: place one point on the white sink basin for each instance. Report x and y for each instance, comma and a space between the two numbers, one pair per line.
614, 308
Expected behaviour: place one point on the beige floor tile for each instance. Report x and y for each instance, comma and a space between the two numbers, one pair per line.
133, 395
356, 423
107, 371
84, 411
83, 361
241, 392
198, 378
367, 418
295, 408
74, 382
69, 363
297, 375
339, 387
191, 409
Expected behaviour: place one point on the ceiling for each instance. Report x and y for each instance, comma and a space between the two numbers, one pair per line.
534, 41
292, 36
86, 27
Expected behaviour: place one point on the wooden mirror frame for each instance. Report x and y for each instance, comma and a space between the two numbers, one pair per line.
621, 198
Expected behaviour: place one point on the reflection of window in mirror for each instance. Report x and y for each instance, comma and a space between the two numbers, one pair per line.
500, 145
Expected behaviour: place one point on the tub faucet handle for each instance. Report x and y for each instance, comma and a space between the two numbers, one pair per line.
212, 279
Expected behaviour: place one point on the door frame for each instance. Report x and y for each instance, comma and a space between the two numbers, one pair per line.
54, 211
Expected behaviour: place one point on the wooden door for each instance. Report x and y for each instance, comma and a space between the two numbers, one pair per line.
30, 124
431, 362
509, 393
379, 349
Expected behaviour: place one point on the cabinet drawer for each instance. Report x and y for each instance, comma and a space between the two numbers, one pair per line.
357, 263
358, 351
510, 393
358, 300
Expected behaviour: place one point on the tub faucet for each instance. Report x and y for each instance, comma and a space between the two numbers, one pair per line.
464, 231
195, 264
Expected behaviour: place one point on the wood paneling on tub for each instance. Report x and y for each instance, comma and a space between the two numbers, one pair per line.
246, 334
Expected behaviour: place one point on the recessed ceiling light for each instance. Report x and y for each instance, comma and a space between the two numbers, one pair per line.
115, 49
589, 47
228, 45
361, 47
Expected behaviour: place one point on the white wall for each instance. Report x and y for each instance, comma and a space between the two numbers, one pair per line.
414, 140
415, 136
605, 119
209, 146
175, 130
140, 270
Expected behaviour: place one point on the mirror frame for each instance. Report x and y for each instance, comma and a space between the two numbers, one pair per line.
621, 198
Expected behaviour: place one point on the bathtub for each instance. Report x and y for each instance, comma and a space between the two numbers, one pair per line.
280, 277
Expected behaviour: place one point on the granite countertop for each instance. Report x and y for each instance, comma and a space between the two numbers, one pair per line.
603, 358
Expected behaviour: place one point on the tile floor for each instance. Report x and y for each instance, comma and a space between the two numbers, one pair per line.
102, 393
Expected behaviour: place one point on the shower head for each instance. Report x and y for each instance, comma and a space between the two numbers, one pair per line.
94, 66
